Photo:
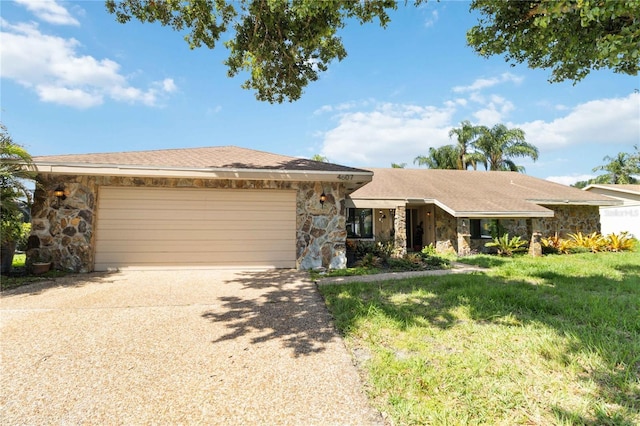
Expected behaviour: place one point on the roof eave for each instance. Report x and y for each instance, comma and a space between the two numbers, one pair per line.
503, 214
381, 203
351, 178
612, 189
611, 202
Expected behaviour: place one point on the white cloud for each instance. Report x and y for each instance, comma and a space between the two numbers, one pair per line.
494, 111
615, 120
483, 83
71, 97
569, 180
387, 133
431, 20
168, 85
53, 68
49, 11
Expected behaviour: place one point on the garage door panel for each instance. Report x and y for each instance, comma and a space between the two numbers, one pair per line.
176, 258
159, 225
196, 205
190, 194
180, 215
197, 235
188, 227
184, 246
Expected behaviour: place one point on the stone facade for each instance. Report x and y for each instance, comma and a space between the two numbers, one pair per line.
445, 229
453, 234
464, 237
570, 219
63, 231
400, 236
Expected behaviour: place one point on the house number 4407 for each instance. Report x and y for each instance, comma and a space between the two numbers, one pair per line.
345, 177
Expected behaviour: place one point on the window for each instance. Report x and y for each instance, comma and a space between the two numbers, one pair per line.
482, 228
359, 223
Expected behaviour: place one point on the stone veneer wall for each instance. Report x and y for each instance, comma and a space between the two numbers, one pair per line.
570, 219
63, 232
446, 235
400, 234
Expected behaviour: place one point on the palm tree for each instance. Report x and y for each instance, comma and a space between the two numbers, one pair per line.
620, 168
499, 144
15, 166
466, 134
444, 157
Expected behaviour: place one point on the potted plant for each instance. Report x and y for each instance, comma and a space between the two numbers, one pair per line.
40, 267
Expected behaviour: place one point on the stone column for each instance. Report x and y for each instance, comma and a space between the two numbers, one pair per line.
535, 246
464, 237
400, 228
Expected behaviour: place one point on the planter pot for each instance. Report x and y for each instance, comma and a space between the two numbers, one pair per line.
6, 254
40, 268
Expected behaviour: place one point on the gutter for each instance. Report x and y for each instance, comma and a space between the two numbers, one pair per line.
392, 203
351, 179
610, 202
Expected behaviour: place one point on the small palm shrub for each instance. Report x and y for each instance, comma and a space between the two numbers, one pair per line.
506, 246
555, 244
593, 242
619, 242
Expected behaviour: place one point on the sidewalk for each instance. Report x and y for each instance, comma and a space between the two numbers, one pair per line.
456, 268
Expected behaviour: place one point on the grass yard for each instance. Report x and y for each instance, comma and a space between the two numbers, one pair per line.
536, 341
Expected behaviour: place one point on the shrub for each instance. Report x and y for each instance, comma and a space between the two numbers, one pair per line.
594, 242
10, 226
429, 250
555, 244
619, 242
21, 243
506, 246
369, 260
583, 243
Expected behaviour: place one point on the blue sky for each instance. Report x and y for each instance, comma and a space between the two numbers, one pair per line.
76, 81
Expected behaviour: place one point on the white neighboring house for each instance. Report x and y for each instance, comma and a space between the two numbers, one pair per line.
619, 218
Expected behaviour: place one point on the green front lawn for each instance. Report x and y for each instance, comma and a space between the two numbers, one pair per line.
552, 340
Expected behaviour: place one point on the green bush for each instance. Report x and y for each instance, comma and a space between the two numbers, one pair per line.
11, 226
429, 250
21, 243
506, 246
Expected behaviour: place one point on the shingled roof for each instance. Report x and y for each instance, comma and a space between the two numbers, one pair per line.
215, 157
471, 193
216, 162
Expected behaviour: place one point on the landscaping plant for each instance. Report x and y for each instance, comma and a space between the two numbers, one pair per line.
506, 246
15, 166
593, 242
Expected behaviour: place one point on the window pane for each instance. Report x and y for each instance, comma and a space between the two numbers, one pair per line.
360, 223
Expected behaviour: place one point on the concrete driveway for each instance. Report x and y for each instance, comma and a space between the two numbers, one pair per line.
175, 347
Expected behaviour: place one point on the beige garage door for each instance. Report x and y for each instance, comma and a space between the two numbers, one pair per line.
158, 228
